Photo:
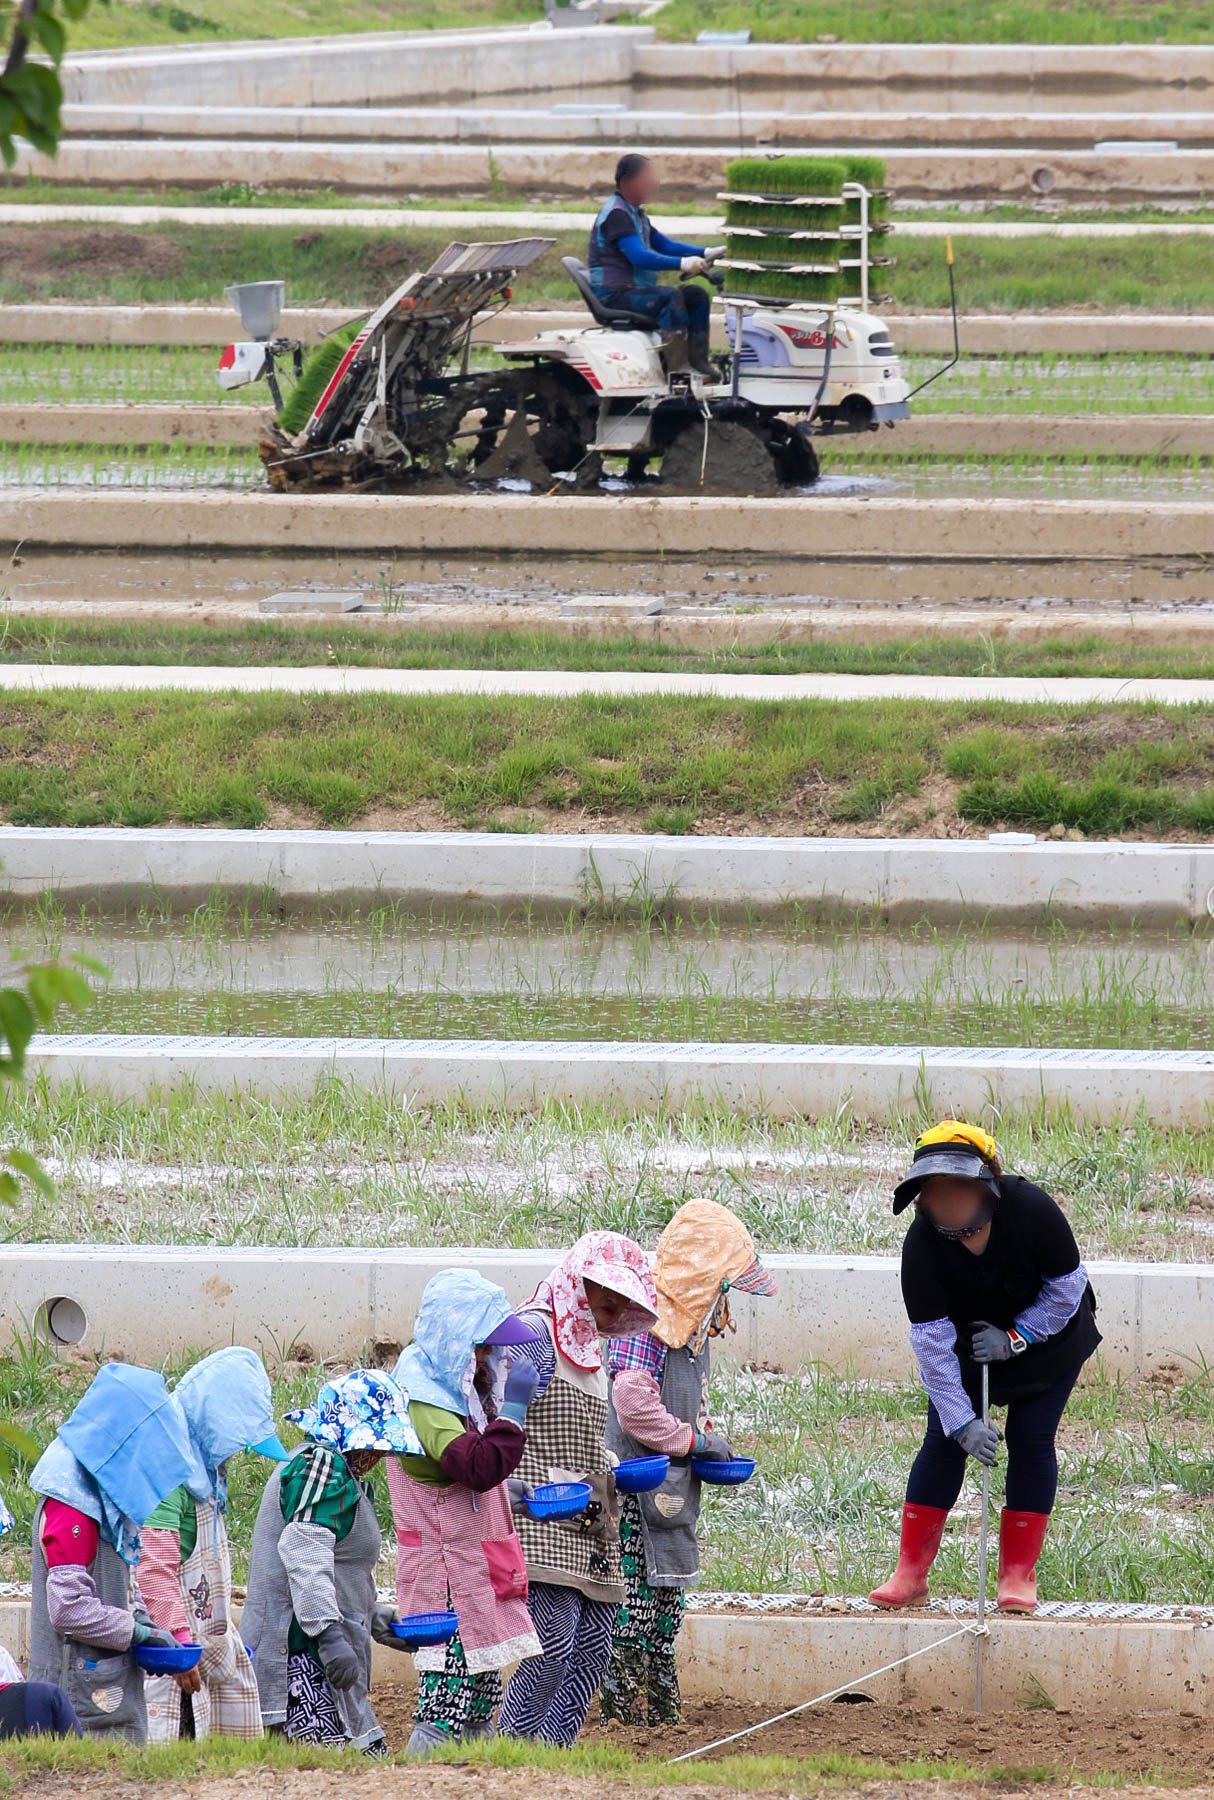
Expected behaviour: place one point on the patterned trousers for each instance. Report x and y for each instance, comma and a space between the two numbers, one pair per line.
454, 1700
548, 1697
642, 1685
312, 1715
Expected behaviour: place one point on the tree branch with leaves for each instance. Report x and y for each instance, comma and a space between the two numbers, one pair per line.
31, 93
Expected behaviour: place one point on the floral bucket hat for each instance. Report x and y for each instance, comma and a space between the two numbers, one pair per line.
364, 1410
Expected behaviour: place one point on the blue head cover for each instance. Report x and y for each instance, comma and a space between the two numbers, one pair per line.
459, 1310
364, 1410
227, 1406
6, 1518
119, 1453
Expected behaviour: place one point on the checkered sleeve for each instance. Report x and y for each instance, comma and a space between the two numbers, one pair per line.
642, 1353
935, 1345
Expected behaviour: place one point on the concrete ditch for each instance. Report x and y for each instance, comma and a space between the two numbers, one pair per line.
1002, 880
943, 434
752, 126
103, 678
877, 1082
830, 1310
982, 334
812, 527
969, 173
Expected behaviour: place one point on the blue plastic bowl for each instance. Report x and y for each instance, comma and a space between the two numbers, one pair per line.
158, 1659
559, 1499
641, 1474
423, 1629
724, 1472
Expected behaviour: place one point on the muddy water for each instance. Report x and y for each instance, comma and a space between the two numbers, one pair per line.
944, 99
458, 978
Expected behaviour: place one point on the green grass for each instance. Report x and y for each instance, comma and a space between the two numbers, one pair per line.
593, 1770
345, 266
210, 21
945, 21
1009, 21
390, 644
135, 759
370, 1170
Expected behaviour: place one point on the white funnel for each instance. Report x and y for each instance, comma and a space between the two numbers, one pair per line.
259, 304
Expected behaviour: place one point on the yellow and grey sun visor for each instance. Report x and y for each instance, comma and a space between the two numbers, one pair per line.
959, 1156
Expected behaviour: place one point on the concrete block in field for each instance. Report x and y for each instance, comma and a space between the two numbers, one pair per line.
344, 600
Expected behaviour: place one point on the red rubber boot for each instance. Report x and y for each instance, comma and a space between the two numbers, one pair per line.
1021, 1535
922, 1529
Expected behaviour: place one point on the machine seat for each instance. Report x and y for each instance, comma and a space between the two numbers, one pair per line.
613, 318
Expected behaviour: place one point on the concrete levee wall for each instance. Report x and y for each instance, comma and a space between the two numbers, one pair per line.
594, 525
842, 1312
976, 173
993, 880
356, 70
775, 1662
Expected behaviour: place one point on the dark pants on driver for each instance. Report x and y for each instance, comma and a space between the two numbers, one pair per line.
1032, 1461
681, 308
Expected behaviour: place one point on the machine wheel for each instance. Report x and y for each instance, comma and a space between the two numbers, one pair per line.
795, 457
741, 457
533, 425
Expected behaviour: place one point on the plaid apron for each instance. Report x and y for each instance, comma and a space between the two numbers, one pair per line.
226, 1705
566, 1441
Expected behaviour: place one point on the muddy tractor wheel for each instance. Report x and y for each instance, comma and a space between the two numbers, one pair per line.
737, 456
532, 426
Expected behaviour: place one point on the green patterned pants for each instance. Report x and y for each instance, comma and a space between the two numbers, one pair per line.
642, 1685
454, 1700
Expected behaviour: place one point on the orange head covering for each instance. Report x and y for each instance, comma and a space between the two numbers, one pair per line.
703, 1253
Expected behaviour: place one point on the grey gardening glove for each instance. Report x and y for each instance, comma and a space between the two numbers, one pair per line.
712, 1443
147, 1633
980, 1441
340, 1664
382, 1619
991, 1343
518, 1491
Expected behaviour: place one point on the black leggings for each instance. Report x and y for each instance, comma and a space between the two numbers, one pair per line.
1032, 1461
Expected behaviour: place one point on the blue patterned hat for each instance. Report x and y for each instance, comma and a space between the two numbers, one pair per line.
364, 1410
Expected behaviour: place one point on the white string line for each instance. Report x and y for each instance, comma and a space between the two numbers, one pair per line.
833, 1694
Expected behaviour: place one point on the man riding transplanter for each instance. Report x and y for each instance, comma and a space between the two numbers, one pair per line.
627, 255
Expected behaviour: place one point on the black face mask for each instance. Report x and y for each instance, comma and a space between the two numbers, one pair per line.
957, 1234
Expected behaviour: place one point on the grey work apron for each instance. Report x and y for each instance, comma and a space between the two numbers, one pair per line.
670, 1514
104, 1686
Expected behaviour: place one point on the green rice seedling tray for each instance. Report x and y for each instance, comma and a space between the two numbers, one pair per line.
786, 174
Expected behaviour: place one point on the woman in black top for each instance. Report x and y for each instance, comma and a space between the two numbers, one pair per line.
990, 1274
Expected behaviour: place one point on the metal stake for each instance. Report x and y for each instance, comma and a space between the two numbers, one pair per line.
983, 1540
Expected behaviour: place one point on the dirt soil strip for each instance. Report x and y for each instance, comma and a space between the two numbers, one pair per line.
472, 1782
1135, 1746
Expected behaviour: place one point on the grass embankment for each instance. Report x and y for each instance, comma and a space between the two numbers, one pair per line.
944, 21
388, 644
833, 1455
658, 764
342, 265
508, 1768
207, 21
915, 21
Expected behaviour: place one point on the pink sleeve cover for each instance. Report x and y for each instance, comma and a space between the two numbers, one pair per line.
638, 1407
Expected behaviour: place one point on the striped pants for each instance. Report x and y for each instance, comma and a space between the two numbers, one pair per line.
548, 1697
